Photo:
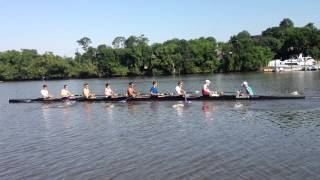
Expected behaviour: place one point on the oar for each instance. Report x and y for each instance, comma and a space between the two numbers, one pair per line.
145, 86
125, 100
229, 92
185, 98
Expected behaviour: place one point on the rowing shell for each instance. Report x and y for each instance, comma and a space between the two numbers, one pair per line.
162, 98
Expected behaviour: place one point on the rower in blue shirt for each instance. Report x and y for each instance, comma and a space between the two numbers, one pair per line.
153, 90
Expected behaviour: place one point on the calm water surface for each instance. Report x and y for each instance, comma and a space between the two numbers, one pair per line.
164, 140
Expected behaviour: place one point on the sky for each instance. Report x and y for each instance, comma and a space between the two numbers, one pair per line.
56, 25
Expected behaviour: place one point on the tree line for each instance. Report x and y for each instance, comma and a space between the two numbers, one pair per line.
133, 56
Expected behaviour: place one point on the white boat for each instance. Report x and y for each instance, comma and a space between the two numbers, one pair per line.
298, 63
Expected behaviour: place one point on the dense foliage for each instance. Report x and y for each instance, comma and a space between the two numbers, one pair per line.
134, 56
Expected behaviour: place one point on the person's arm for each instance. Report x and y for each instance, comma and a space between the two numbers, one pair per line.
135, 92
247, 91
183, 92
113, 94
243, 91
151, 92
49, 95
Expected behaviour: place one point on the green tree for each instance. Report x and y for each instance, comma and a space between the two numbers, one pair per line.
84, 43
119, 42
286, 23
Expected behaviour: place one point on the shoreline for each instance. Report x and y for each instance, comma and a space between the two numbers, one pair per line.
132, 76
142, 76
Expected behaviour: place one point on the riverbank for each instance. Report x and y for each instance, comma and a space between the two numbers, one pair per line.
134, 76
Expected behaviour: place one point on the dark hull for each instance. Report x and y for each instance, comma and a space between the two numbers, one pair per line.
166, 98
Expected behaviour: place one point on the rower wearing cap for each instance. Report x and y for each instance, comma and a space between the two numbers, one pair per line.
86, 92
153, 90
205, 89
246, 90
178, 90
131, 91
44, 92
65, 93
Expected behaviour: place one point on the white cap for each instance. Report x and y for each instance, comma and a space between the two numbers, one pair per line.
208, 81
245, 83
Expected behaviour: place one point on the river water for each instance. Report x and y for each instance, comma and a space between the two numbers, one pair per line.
164, 140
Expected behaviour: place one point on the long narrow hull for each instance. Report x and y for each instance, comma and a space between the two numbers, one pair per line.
165, 98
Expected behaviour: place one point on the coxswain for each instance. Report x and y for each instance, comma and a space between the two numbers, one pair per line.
108, 91
178, 90
65, 93
86, 92
131, 91
45, 93
153, 90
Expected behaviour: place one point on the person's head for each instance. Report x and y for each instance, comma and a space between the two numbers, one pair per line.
154, 83
207, 82
130, 84
107, 85
86, 85
180, 83
65, 86
245, 84
44, 86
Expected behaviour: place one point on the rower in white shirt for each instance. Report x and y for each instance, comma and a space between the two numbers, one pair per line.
178, 90
44, 92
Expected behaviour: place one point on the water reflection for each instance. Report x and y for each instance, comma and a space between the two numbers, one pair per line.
45, 112
67, 114
244, 109
88, 110
154, 106
180, 107
109, 109
132, 107
208, 110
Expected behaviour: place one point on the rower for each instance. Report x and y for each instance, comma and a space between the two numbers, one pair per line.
178, 90
131, 91
45, 93
153, 90
108, 91
246, 90
86, 92
205, 90
65, 93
